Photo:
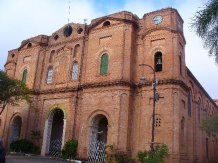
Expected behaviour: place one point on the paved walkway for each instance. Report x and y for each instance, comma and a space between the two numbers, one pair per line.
33, 159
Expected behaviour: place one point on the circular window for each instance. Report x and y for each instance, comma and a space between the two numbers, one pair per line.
79, 30
106, 23
56, 37
29, 45
68, 31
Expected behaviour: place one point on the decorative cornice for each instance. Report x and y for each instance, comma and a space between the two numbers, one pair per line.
125, 83
166, 82
111, 18
163, 10
66, 41
162, 28
56, 90
85, 86
111, 84
10, 62
25, 42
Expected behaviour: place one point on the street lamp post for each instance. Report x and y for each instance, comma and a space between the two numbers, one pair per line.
155, 98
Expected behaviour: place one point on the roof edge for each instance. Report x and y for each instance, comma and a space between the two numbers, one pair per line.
201, 87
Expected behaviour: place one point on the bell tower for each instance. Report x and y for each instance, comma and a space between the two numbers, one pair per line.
163, 43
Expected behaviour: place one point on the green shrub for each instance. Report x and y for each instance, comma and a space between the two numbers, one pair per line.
156, 156
121, 157
141, 155
24, 146
69, 150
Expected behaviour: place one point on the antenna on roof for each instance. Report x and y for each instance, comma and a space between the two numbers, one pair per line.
171, 4
69, 14
85, 21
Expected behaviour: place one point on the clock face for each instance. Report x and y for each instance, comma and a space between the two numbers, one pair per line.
157, 19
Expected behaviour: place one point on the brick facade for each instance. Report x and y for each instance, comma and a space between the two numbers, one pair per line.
119, 96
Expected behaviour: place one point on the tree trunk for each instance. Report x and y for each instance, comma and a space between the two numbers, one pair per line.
3, 107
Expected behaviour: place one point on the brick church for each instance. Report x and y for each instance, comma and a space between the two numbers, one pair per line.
86, 84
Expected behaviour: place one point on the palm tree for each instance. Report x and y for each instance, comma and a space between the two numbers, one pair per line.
205, 23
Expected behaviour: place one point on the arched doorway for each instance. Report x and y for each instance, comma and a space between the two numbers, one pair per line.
15, 129
53, 133
98, 138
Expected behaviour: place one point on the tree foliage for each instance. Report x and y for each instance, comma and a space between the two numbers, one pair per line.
156, 156
210, 125
205, 23
12, 91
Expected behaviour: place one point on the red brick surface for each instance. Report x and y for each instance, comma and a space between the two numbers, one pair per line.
129, 41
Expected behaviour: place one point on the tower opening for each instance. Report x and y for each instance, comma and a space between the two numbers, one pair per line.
158, 61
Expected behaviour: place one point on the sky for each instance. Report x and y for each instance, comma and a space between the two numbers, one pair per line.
22, 19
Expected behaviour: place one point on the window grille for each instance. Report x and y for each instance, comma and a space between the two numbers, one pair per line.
75, 71
157, 121
50, 76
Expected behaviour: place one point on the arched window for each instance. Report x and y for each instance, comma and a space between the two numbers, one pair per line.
75, 71
190, 104
182, 132
183, 105
182, 123
104, 64
79, 30
199, 112
50, 75
56, 37
15, 129
158, 61
106, 23
76, 50
207, 150
51, 57
29, 45
24, 76
68, 31
180, 64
